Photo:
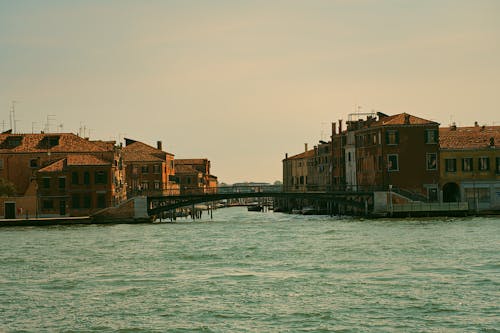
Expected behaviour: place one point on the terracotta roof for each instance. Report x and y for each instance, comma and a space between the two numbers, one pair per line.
141, 152
74, 160
55, 142
306, 154
400, 119
184, 169
475, 137
57, 166
191, 161
88, 160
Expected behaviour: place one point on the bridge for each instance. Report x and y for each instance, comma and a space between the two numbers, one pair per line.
360, 200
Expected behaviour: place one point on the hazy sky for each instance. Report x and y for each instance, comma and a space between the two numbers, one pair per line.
244, 82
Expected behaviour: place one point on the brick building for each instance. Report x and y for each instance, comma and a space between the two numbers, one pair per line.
400, 150
23, 155
193, 176
149, 170
79, 185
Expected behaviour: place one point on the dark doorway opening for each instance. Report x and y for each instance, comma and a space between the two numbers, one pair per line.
451, 192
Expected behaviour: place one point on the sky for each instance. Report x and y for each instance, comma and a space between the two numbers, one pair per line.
243, 82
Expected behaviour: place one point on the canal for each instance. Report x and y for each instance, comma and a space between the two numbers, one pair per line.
253, 272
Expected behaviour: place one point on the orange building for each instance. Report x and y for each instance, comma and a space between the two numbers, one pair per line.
79, 185
149, 170
194, 176
23, 155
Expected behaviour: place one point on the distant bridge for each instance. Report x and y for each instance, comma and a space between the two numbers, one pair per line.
361, 200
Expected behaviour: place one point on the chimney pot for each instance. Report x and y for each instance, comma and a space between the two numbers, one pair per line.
305, 146
159, 145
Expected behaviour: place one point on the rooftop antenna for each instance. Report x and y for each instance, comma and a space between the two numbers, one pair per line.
3, 125
33, 123
50, 118
12, 116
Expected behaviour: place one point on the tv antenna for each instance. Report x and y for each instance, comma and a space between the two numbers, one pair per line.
12, 116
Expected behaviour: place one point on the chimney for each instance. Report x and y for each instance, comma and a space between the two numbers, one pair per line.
407, 119
286, 156
334, 129
305, 146
453, 127
476, 124
340, 126
492, 142
159, 145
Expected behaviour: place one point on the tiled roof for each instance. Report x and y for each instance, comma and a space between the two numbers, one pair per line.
74, 160
57, 166
88, 160
55, 142
475, 137
306, 154
191, 161
141, 152
184, 169
400, 119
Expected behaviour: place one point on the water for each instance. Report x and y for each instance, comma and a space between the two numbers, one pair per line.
253, 272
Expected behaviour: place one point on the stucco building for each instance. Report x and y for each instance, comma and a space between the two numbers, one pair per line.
470, 165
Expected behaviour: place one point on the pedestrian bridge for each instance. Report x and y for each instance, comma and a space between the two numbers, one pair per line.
360, 200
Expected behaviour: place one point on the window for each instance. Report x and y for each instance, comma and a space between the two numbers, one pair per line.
46, 182
75, 201
431, 161
157, 185
157, 168
484, 163
467, 164
86, 178
392, 137
1, 163
380, 162
87, 200
47, 204
450, 164
62, 183
101, 177
392, 162
498, 165
144, 169
34, 163
431, 136
101, 200
144, 185
74, 178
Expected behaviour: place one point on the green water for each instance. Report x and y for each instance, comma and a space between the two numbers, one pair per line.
253, 272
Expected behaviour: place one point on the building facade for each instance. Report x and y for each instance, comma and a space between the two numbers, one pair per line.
22, 156
400, 151
470, 166
79, 185
193, 176
149, 170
